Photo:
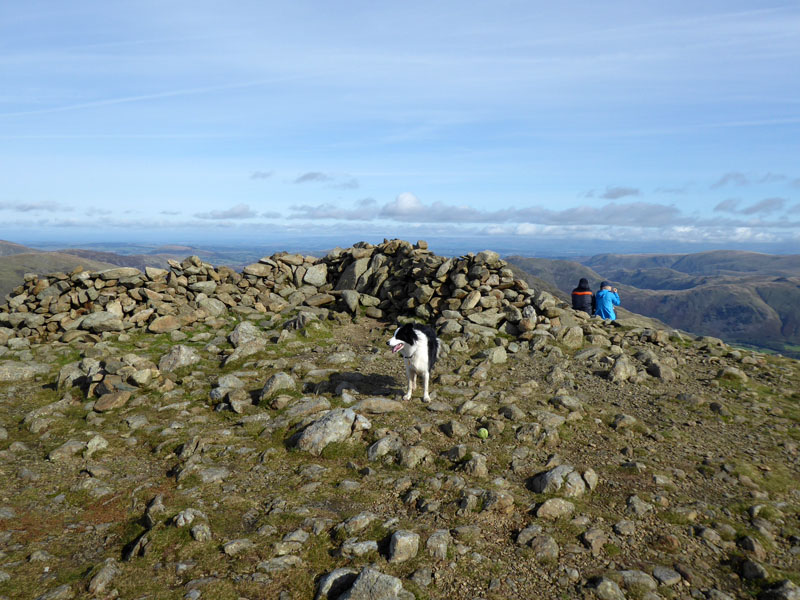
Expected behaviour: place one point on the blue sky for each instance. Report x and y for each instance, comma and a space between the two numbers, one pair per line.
631, 121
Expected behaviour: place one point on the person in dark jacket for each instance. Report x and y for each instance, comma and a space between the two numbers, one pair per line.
583, 298
607, 298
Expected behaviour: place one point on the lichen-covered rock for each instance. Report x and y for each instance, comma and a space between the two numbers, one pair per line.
336, 426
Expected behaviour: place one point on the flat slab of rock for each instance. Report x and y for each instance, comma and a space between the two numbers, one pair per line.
11, 370
163, 324
378, 406
112, 401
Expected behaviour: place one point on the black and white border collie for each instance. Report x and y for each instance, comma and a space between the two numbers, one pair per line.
418, 346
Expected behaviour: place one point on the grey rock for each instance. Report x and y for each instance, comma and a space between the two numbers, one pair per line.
403, 546
352, 547
732, 374
525, 536
316, 275
552, 481
336, 426
623, 370
357, 523
235, 547
335, 583
637, 506
164, 324
212, 307
555, 508
476, 466
638, 580
666, 576
386, 445
751, 569
606, 589
213, 474
544, 547
203, 287
374, 585
573, 338
244, 333
454, 429
201, 532
438, 543
62, 592
378, 406
66, 450
178, 357
280, 563
278, 382
119, 273
784, 590
15, 371
99, 322
351, 298
623, 421
104, 577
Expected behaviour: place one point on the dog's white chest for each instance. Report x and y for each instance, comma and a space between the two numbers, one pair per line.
418, 362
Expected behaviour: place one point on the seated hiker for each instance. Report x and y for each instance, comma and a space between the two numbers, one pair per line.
582, 297
606, 299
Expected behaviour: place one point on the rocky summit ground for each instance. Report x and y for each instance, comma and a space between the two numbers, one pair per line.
269, 454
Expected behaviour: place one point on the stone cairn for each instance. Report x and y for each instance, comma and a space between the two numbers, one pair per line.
472, 295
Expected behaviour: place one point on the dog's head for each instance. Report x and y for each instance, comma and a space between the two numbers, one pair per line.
403, 341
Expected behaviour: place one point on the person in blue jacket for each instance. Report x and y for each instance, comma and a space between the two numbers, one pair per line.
606, 299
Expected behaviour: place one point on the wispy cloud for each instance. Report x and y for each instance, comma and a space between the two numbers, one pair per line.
169, 212
672, 190
147, 97
765, 206
732, 178
313, 176
26, 207
730, 205
407, 208
365, 210
240, 211
614, 193
350, 184
260, 174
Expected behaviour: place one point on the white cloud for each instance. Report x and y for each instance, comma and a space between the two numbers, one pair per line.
365, 210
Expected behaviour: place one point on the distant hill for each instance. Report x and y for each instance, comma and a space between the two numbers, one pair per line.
9, 248
743, 297
137, 261
13, 267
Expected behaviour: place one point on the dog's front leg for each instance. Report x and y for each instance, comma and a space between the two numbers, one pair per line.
411, 376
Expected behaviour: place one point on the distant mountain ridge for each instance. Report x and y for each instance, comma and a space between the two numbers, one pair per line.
747, 298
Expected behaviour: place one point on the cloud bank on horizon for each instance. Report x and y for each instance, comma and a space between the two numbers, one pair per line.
617, 121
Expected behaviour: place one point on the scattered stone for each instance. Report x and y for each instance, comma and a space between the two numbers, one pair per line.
177, 358
555, 508
403, 546
336, 426
374, 585
666, 576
